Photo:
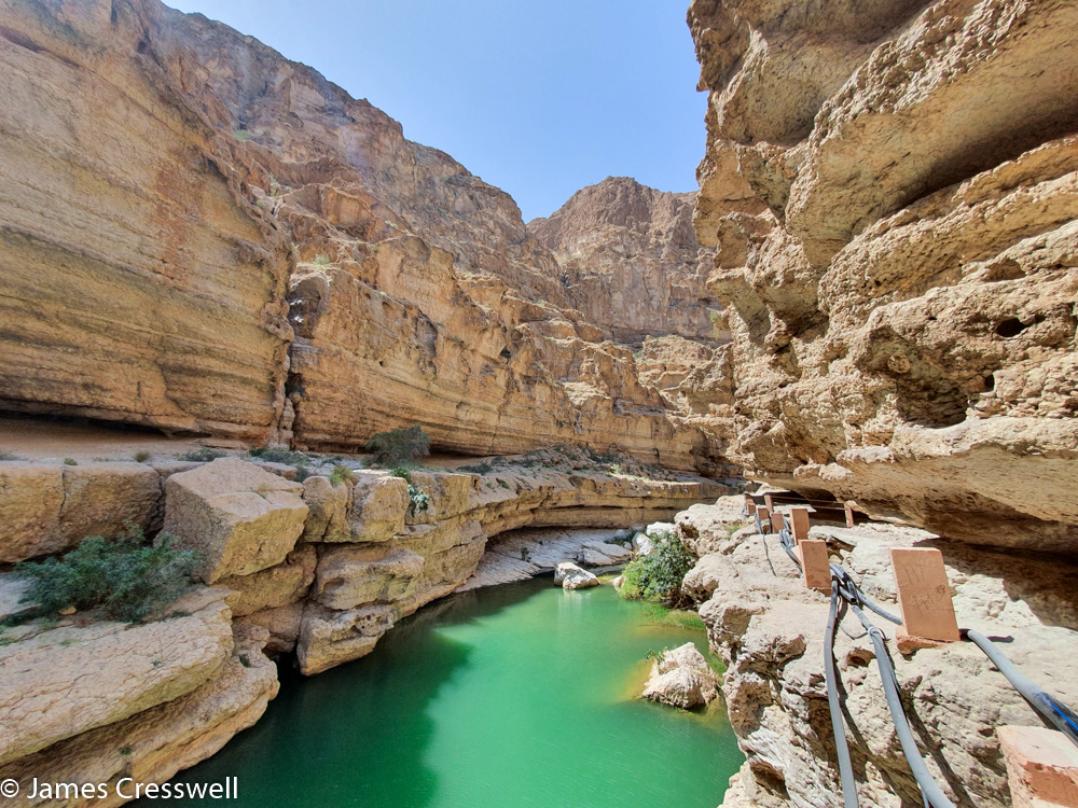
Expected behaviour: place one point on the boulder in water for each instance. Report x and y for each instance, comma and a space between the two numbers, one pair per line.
682, 678
570, 576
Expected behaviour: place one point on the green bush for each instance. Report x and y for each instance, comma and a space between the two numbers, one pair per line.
477, 468
399, 447
279, 455
342, 474
203, 454
142, 457
657, 576
126, 579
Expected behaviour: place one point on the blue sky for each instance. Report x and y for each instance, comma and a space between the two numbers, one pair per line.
539, 98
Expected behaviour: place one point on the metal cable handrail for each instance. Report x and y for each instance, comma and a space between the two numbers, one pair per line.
845, 591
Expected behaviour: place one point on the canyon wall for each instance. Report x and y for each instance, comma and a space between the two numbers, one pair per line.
891, 188
630, 261
198, 234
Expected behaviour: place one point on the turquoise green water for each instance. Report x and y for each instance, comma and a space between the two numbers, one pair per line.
518, 695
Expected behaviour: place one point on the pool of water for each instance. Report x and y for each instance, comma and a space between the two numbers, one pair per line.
517, 695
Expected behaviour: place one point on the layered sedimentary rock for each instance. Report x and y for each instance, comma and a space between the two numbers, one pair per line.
198, 234
891, 189
53, 680
630, 262
139, 280
323, 569
770, 628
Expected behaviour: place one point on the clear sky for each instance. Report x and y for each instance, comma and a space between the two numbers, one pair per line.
537, 97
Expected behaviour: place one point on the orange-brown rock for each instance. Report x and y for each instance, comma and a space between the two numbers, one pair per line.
173, 186
630, 262
892, 188
140, 280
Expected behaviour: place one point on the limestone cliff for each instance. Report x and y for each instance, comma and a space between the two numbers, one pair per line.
891, 187
198, 234
630, 262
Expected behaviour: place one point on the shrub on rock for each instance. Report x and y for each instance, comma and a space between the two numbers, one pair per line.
127, 579
657, 575
398, 447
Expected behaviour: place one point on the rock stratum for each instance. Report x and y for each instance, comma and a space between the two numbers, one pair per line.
197, 234
891, 189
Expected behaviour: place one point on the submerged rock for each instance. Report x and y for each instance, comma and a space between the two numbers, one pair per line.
682, 678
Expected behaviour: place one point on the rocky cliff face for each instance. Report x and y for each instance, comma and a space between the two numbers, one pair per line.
891, 188
630, 261
198, 234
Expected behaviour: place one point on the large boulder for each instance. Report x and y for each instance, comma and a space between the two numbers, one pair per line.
50, 507
328, 504
682, 678
240, 518
570, 576
380, 503
68, 680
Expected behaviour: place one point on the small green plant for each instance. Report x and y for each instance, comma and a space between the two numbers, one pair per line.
8, 456
654, 656
418, 500
502, 483
127, 579
657, 576
242, 134
321, 260
203, 454
126, 751
399, 447
142, 457
302, 472
342, 474
70, 461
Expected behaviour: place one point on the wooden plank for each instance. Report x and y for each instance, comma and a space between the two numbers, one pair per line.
799, 520
924, 595
815, 565
1042, 766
